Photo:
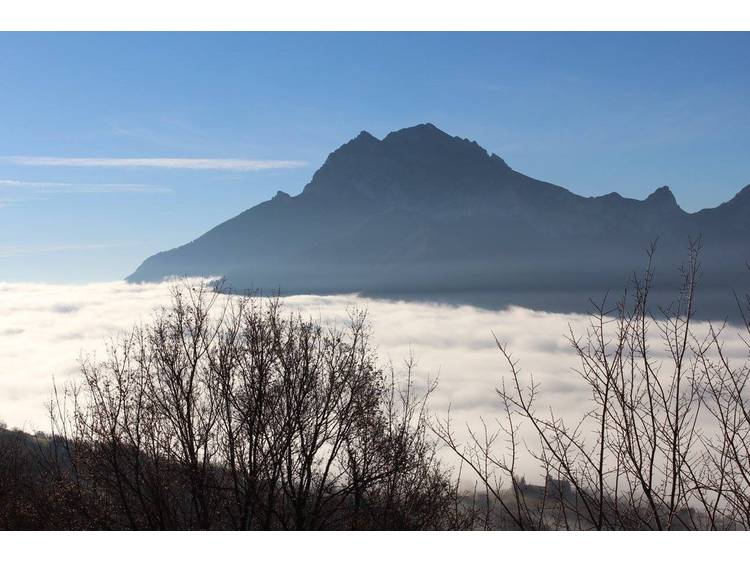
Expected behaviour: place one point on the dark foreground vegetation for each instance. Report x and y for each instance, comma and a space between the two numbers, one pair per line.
234, 414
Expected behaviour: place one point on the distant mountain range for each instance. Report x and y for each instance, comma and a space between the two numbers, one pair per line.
423, 213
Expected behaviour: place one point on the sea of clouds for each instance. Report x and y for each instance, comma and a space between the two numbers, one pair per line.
46, 329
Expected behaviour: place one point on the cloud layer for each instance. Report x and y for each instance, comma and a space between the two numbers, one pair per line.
45, 329
239, 165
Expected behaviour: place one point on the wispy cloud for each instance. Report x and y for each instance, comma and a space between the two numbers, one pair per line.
173, 163
65, 187
11, 251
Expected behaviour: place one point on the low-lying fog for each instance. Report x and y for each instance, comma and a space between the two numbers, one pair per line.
45, 329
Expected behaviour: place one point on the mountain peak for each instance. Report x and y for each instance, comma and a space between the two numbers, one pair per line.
412, 165
364, 142
663, 197
426, 139
424, 128
365, 136
362, 139
418, 133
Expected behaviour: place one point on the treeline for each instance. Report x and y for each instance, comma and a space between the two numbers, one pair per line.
231, 413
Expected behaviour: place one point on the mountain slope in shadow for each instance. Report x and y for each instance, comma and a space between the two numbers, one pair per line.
425, 215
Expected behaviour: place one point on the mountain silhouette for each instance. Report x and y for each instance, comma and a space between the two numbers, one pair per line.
421, 213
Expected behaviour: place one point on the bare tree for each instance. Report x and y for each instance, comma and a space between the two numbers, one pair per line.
663, 444
229, 413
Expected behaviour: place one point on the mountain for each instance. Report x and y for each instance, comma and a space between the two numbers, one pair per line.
421, 212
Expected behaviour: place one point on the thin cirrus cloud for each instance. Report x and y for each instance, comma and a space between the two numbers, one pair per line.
239, 165
65, 187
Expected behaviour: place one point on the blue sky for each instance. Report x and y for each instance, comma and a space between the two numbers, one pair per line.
115, 146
